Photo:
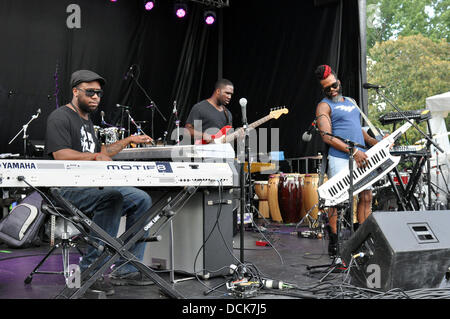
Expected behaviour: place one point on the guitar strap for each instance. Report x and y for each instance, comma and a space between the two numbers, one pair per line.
323, 165
375, 131
225, 110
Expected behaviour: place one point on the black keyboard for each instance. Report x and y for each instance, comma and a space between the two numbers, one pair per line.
394, 117
408, 150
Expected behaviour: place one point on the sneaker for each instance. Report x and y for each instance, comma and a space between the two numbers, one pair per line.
102, 285
130, 279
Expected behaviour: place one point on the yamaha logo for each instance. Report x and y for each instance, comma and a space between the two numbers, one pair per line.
18, 165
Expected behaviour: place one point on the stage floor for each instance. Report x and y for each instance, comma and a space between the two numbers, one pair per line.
285, 260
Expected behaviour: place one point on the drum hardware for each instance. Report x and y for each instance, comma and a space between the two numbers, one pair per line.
138, 127
131, 73
316, 225
25, 135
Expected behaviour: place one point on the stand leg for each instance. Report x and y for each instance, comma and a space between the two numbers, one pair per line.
35, 270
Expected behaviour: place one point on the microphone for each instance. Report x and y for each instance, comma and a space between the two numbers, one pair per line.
307, 135
122, 106
103, 117
37, 114
372, 86
129, 72
243, 103
174, 107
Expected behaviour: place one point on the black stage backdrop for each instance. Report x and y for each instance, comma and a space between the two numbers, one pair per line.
268, 49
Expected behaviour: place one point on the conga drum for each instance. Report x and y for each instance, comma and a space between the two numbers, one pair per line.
310, 195
262, 191
290, 197
274, 208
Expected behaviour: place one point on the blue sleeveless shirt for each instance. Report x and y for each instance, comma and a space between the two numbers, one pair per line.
346, 123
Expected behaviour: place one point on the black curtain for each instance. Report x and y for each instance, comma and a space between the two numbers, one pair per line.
40, 52
270, 51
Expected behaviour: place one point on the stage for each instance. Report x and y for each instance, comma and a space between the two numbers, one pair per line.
285, 259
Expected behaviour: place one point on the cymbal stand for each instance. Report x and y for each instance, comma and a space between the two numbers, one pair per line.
25, 135
152, 105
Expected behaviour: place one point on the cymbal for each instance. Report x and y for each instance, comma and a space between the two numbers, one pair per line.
317, 157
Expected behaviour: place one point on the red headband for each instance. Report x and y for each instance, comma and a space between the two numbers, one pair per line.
326, 72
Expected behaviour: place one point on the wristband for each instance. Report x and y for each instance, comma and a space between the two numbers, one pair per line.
354, 153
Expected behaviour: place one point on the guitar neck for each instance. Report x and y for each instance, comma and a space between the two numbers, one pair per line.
255, 124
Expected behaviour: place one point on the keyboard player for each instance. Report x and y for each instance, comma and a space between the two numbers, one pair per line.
339, 116
70, 135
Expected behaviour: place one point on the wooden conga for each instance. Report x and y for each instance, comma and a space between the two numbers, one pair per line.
310, 195
274, 208
290, 197
262, 191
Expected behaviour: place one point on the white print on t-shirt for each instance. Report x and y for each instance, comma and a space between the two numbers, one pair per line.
87, 141
345, 108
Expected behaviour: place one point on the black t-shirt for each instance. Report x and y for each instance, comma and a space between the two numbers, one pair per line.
66, 129
210, 117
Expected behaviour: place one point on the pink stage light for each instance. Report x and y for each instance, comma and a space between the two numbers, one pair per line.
149, 5
209, 17
181, 13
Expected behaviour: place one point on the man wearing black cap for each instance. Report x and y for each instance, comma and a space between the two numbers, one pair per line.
70, 136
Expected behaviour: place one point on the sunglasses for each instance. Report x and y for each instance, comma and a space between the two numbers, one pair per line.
335, 85
92, 92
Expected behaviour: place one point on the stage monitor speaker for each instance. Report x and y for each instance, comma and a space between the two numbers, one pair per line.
405, 249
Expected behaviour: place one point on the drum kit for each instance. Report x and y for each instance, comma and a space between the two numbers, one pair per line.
111, 134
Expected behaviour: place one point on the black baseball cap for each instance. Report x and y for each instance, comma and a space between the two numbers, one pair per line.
85, 76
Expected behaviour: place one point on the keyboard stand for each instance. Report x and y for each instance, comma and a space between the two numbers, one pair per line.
405, 193
114, 248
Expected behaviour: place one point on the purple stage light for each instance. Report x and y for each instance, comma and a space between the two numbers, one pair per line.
149, 5
209, 17
210, 20
181, 13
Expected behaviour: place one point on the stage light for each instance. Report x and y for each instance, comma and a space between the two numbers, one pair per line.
180, 9
149, 5
209, 17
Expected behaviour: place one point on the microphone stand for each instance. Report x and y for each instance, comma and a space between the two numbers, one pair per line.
337, 261
430, 141
245, 181
152, 105
177, 124
25, 136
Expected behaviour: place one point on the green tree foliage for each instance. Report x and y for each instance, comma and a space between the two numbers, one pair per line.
388, 19
412, 68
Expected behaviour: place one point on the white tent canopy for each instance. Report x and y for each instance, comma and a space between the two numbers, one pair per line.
439, 105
